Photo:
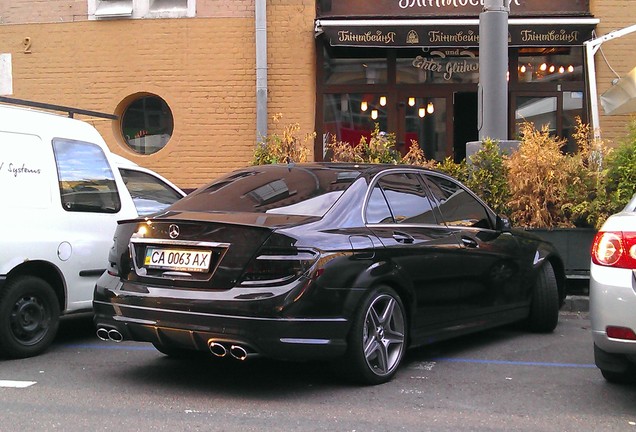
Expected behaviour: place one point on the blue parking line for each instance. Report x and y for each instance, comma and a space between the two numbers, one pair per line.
514, 363
144, 347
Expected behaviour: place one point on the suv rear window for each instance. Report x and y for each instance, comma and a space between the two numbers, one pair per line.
279, 189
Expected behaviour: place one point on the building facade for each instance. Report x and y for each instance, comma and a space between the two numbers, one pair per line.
181, 75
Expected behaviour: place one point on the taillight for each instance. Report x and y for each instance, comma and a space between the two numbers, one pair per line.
278, 267
615, 249
624, 333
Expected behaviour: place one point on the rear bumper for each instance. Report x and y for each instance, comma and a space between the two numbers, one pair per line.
193, 322
283, 338
612, 303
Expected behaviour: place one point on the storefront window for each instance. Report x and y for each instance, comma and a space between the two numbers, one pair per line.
348, 117
444, 66
147, 124
426, 125
541, 111
550, 64
572, 108
341, 69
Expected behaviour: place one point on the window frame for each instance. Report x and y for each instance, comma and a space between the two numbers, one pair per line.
140, 9
87, 188
490, 215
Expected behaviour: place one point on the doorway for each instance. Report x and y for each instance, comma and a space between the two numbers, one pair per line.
464, 122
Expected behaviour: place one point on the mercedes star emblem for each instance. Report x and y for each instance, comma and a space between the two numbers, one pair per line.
173, 231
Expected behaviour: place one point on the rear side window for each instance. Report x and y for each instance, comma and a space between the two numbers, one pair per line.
458, 207
406, 198
149, 193
86, 181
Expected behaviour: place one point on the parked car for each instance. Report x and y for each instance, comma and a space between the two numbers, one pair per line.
324, 261
61, 192
613, 296
150, 192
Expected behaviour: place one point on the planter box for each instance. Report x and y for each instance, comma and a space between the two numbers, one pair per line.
574, 245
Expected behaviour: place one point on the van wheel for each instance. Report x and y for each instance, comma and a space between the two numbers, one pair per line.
544, 309
29, 317
378, 338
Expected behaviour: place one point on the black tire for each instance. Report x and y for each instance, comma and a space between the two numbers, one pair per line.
628, 377
544, 309
29, 317
378, 338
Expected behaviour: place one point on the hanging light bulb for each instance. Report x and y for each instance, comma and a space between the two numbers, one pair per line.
374, 114
543, 67
561, 69
382, 100
551, 68
430, 108
570, 68
421, 112
522, 69
363, 106
411, 101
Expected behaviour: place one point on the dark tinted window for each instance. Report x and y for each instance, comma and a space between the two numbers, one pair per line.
149, 193
86, 180
458, 207
377, 208
280, 189
407, 198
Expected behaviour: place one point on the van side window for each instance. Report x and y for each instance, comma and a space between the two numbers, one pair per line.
86, 181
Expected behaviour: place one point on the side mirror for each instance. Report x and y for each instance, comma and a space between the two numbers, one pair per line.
503, 224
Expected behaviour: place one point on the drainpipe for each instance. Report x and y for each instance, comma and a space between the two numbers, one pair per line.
493, 70
261, 69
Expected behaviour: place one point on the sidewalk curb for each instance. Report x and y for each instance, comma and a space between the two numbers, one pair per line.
576, 303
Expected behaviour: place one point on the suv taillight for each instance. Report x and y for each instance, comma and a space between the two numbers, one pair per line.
615, 249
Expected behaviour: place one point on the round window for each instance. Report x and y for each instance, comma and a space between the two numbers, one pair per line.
147, 124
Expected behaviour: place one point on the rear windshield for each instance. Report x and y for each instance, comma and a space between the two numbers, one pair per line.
278, 189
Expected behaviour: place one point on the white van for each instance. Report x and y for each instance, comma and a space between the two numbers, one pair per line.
61, 195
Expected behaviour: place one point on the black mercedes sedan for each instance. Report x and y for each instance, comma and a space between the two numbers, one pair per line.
354, 263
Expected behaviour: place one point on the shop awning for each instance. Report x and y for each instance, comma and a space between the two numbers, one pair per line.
402, 33
621, 97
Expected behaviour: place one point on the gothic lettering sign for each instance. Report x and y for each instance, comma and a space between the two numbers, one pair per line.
440, 8
454, 35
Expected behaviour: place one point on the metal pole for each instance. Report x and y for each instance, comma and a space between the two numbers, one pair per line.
261, 69
493, 70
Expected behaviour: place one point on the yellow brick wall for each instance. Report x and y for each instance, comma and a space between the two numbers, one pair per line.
204, 68
620, 54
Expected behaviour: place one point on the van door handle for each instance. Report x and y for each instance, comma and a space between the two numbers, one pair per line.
402, 237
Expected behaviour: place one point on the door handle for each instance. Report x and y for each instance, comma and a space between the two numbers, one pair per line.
401, 237
469, 242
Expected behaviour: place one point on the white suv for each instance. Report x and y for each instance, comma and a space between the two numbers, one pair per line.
61, 193
613, 296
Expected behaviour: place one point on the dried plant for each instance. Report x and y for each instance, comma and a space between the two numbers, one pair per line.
285, 148
540, 178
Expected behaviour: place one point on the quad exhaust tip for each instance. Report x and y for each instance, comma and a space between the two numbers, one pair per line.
221, 350
217, 349
109, 335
